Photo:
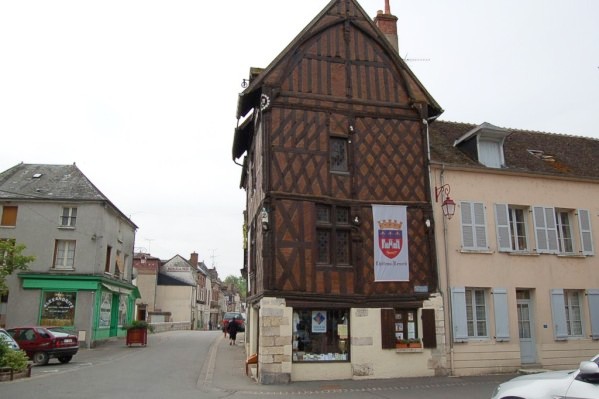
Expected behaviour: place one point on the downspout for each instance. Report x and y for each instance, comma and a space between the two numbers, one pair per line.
445, 251
449, 304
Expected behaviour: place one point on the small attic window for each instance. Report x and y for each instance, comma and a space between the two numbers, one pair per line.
485, 144
37, 175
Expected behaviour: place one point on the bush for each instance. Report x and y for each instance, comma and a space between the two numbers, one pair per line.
16, 360
139, 324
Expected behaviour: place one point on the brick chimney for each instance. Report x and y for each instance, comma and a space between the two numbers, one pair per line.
193, 259
387, 23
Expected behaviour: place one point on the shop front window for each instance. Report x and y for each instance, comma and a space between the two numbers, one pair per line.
122, 310
105, 309
320, 335
58, 308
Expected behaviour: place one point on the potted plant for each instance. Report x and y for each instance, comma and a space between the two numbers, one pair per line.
402, 343
137, 332
414, 343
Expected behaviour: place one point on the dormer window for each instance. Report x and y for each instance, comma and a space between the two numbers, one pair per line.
485, 144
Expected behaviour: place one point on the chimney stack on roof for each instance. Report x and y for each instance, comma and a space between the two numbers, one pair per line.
193, 259
387, 23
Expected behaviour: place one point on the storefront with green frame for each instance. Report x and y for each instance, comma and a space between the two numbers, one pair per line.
95, 307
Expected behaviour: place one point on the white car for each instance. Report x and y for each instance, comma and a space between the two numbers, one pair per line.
572, 384
5, 336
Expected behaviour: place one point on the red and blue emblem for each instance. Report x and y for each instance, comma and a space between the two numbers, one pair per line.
390, 242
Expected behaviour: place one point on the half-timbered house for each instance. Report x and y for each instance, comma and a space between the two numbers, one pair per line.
340, 261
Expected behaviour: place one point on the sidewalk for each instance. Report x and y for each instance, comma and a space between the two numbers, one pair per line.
228, 374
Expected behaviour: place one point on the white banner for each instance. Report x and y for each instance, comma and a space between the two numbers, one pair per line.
390, 243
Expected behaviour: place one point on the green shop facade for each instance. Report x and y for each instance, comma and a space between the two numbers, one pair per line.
94, 307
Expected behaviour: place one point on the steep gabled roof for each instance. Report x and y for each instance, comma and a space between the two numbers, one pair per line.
337, 13
524, 151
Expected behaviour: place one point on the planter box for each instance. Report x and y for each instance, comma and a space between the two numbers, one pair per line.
137, 336
10, 375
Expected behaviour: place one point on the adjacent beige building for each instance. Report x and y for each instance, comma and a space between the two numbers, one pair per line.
517, 262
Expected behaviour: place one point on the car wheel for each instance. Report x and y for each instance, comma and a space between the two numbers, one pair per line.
41, 358
64, 359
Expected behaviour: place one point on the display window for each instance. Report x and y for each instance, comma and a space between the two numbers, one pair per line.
105, 310
58, 308
320, 335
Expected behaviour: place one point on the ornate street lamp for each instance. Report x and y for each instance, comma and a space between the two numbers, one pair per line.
448, 206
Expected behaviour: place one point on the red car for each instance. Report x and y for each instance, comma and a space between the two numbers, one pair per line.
238, 317
43, 343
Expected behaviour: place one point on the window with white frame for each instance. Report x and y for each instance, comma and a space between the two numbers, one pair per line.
564, 231
469, 314
476, 313
555, 228
566, 310
510, 222
474, 226
573, 313
68, 218
64, 254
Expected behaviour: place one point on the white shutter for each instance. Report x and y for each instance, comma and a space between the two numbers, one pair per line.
586, 235
593, 296
558, 311
502, 321
467, 225
480, 225
545, 229
458, 313
502, 225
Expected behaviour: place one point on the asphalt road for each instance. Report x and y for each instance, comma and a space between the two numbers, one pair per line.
201, 364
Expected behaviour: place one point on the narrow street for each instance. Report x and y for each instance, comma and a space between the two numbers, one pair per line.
200, 364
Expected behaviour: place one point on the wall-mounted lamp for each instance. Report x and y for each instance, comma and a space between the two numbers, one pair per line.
448, 206
356, 221
264, 219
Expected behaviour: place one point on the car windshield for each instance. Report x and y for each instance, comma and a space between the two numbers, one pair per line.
232, 315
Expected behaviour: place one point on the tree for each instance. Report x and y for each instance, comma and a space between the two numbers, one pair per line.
11, 259
239, 283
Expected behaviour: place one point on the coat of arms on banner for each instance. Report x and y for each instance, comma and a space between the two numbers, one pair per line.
390, 238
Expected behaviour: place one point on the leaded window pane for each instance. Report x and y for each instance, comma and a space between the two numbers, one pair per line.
339, 154
323, 238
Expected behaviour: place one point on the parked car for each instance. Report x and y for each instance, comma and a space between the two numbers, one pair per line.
43, 343
238, 319
5, 336
582, 383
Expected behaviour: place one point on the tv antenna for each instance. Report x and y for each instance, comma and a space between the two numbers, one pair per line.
406, 59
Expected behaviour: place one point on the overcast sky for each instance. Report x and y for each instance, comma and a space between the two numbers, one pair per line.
142, 95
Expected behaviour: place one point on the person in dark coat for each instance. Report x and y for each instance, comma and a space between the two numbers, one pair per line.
232, 330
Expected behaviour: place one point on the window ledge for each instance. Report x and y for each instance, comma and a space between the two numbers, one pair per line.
62, 269
409, 350
477, 251
517, 253
572, 256
66, 227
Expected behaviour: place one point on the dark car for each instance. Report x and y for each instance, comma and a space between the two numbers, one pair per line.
43, 343
238, 319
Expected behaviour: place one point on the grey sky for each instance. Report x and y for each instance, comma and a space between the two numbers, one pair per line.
142, 94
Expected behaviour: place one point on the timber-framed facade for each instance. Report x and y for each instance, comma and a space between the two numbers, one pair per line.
335, 124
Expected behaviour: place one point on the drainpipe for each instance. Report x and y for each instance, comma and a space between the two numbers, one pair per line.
449, 304
445, 251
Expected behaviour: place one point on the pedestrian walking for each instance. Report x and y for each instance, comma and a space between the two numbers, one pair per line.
232, 330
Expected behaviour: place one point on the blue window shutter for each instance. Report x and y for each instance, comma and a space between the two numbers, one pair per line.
558, 311
502, 321
593, 296
586, 235
502, 226
458, 313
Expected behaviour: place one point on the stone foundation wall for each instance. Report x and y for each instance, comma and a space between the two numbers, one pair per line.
274, 350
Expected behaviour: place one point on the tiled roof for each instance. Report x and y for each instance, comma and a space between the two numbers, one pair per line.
524, 150
38, 181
